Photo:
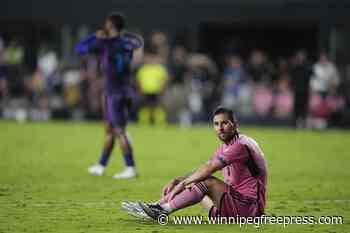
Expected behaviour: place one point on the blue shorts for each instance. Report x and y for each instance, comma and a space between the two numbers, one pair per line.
116, 110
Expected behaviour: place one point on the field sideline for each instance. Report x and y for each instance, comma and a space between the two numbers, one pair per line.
45, 187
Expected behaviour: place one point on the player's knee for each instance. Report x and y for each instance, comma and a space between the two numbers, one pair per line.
119, 132
110, 136
109, 129
210, 182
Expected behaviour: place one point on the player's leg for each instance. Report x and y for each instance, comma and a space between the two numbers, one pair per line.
211, 187
108, 146
216, 189
152, 104
119, 116
126, 148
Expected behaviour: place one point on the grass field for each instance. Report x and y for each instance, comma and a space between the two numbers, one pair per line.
45, 187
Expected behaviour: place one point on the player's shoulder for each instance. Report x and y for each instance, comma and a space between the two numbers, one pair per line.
245, 139
234, 146
250, 143
125, 43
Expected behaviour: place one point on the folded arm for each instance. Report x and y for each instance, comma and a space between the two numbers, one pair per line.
133, 41
87, 45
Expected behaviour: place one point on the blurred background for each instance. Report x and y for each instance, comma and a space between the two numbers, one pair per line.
274, 62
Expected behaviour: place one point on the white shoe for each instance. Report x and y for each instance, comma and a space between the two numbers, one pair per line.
96, 170
129, 172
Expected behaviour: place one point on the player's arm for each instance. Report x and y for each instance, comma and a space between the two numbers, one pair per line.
203, 172
219, 161
170, 186
200, 174
133, 41
91, 43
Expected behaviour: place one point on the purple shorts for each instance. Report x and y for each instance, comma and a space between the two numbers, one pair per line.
233, 204
116, 110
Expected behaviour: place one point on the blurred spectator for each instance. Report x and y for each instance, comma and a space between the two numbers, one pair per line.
175, 98
323, 109
2, 47
72, 92
263, 100
200, 81
326, 76
283, 69
14, 54
259, 68
234, 78
91, 86
48, 67
301, 72
152, 78
160, 46
325, 100
3, 80
44, 85
3, 83
283, 99
13, 58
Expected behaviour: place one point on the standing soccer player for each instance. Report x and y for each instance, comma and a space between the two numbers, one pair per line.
243, 191
116, 51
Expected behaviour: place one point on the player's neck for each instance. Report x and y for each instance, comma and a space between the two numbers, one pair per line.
228, 141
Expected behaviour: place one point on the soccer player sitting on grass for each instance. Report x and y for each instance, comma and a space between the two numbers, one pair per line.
116, 51
243, 191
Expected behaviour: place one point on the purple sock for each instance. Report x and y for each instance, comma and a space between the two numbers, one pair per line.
128, 156
105, 157
129, 159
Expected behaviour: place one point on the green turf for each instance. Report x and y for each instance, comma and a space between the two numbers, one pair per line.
44, 185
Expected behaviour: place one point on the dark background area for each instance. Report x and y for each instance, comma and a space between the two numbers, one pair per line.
196, 24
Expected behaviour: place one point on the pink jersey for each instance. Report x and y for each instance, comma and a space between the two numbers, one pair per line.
246, 176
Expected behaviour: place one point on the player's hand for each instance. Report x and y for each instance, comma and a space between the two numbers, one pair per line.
167, 188
177, 189
101, 34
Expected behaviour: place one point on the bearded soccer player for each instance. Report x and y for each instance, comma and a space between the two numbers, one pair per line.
116, 51
241, 193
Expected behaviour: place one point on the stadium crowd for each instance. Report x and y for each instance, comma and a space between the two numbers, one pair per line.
174, 85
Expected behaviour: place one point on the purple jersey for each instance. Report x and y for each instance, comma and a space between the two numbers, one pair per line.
116, 56
244, 167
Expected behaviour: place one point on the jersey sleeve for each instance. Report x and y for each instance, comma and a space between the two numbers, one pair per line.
89, 44
214, 156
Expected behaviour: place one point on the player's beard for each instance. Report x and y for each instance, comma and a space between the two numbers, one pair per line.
225, 136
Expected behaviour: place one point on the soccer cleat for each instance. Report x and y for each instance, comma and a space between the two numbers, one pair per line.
128, 173
96, 170
153, 210
134, 209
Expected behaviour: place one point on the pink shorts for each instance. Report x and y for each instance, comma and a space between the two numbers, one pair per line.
233, 204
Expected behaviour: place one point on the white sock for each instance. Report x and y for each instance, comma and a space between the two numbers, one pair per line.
167, 207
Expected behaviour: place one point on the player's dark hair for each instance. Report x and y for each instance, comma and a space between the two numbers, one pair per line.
117, 19
231, 115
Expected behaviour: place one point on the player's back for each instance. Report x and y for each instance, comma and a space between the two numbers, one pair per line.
116, 60
257, 166
116, 57
254, 150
